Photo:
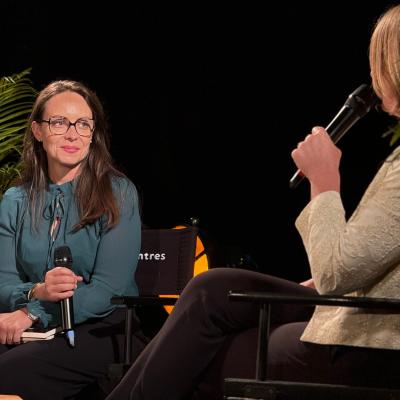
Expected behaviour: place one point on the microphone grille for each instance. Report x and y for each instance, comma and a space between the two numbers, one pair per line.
362, 99
62, 256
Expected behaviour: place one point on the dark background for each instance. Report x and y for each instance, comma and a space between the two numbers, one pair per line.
205, 103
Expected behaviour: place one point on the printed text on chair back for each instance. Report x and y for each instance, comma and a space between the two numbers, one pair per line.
166, 260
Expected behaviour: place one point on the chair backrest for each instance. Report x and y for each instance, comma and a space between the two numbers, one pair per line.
166, 261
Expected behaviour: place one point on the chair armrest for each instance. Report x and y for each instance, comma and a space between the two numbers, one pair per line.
132, 301
325, 300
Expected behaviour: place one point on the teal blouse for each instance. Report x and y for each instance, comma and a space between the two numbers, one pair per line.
105, 259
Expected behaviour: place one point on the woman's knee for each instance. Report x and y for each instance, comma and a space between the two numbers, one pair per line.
227, 278
210, 278
212, 284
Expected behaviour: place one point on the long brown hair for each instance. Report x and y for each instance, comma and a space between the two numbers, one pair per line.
93, 194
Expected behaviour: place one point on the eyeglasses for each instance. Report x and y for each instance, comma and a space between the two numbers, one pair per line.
60, 125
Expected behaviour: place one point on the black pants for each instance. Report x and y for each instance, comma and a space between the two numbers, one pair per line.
50, 369
208, 338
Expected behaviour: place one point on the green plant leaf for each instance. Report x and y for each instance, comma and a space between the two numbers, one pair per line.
394, 132
17, 95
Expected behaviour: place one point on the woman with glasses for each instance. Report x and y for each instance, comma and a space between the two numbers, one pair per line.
69, 194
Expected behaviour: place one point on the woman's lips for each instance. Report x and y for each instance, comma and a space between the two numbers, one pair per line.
70, 149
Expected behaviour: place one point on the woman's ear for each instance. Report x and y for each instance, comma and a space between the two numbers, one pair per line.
36, 131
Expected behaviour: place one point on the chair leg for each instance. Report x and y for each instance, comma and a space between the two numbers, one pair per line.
128, 335
263, 337
118, 370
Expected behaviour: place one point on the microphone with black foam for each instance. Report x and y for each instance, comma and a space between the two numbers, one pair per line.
63, 258
358, 104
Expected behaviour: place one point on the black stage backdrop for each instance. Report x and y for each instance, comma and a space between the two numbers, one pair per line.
206, 101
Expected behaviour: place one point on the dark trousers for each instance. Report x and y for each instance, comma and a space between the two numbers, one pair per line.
50, 369
208, 338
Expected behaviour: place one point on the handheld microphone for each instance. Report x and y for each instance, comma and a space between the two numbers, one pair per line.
358, 104
63, 258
